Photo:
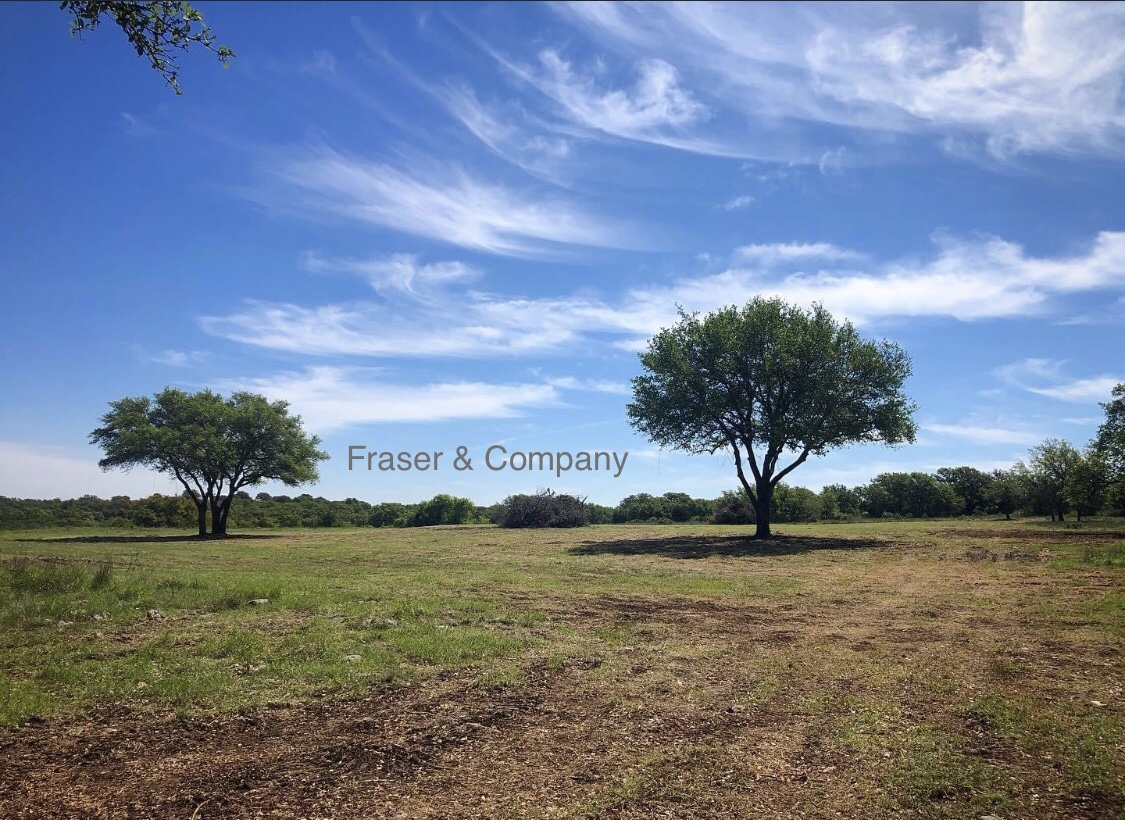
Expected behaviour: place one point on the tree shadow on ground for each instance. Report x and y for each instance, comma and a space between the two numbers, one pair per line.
146, 539
725, 546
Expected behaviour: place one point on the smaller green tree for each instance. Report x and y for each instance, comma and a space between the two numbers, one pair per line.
1109, 444
969, 483
390, 514
443, 509
212, 446
839, 497
1047, 472
1006, 493
795, 505
1086, 484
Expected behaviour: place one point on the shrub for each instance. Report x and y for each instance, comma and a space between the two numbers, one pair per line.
544, 509
734, 507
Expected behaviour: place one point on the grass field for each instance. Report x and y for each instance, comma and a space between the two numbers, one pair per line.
923, 669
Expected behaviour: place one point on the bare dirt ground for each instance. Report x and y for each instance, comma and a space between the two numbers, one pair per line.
818, 703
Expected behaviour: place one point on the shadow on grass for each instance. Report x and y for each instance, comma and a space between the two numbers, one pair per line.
146, 539
726, 546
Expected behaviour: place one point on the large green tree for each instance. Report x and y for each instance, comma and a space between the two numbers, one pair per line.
970, 484
1109, 443
213, 446
157, 30
1086, 484
1047, 472
769, 381
1007, 492
913, 495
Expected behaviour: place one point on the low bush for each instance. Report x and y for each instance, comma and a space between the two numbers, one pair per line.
544, 509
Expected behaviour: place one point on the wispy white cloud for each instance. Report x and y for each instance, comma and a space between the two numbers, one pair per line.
1018, 373
785, 252
508, 130
365, 329
967, 279
138, 127
467, 326
322, 63
655, 102
964, 280
1097, 388
178, 358
332, 398
400, 272
591, 385
985, 435
593, 102
440, 202
1047, 377
738, 202
1011, 78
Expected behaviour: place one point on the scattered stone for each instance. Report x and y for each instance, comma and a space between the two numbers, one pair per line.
352, 658
154, 615
735, 708
99, 616
259, 601
1096, 703
379, 622
981, 555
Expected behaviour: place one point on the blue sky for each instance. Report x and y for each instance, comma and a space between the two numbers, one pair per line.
430, 226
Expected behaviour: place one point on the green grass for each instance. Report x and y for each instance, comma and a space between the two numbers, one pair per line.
911, 673
933, 773
1075, 740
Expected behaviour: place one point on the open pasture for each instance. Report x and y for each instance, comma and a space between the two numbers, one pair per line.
925, 669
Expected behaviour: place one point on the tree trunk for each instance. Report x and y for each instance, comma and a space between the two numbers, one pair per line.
224, 511
762, 510
218, 520
201, 505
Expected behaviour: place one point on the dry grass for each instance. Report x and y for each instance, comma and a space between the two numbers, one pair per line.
953, 670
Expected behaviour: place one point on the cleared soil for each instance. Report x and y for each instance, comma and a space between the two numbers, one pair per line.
858, 694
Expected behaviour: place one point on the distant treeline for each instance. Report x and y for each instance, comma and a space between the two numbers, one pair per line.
954, 491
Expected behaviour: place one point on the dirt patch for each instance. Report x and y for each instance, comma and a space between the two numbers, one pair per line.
809, 704
1043, 535
726, 546
446, 749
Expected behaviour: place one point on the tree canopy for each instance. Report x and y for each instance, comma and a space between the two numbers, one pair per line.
1046, 474
155, 29
970, 484
213, 446
767, 380
1110, 440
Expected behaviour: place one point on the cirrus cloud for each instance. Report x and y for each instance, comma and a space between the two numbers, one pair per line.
966, 280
